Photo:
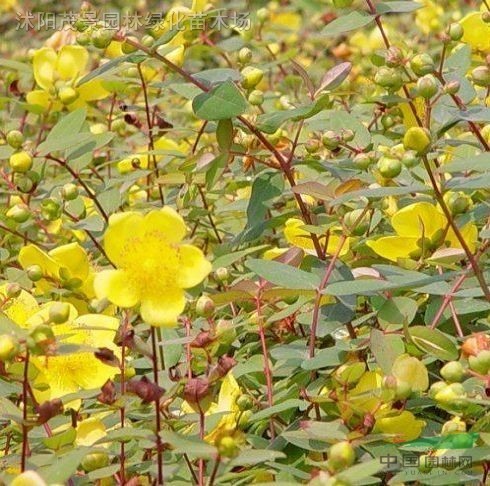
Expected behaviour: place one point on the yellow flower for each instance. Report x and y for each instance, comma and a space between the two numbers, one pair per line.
68, 373
20, 308
297, 236
428, 18
411, 371
66, 265
153, 266
89, 431
420, 227
476, 32
57, 74
402, 426
7, 5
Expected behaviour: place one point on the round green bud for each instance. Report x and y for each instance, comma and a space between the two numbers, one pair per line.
94, 461
484, 358
387, 121
394, 56
410, 159
252, 76
69, 192
256, 97
481, 76
222, 274
245, 402
41, 335
452, 87
452, 371
417, 139
403, 390
453, 394
15, 139
244, 419
312, 146
455, 31
262, 15
81, 25
147, 40
457, 202
390, 382
362, 224
34, 273
28, 478
478, 365
348, 135
422, 64
128, 48
83, 38
485, 16
389, 167
453, 426
50, 209
330, 140
59, 312
20, 162
244, 55
341, 455
436, 387
67, 95
427, 86
205, 306
362, 161
19, 213
425, 463
9, 347
101, 38
13, 290
388, 78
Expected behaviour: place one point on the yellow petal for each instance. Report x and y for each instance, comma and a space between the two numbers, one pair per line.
115, 286
394, 247
39, 97
166, 221
72, 60
123, 227
164, 310
32, 255
296, 235
44, 66
42, 316
333, 245
403, 427
469, 232
476, 32
74, 258
411, 371
274, 253
194, 267
20, 308
92, 91
90, 431
417, 219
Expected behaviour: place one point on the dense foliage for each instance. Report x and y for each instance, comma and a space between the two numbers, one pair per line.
245, 242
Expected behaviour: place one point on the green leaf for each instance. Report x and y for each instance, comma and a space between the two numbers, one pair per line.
192, 446
224, 134
334, 77
477, 163
280, 407
221, 103
386, 348
62, 467
215, 169
395, 6
283, 275
250, 457
346, 23
112, 64
64, 438
325, 358
433, 342
398, 311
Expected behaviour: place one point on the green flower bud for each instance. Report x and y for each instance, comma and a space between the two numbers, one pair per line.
15, 139
228, 447
362, 225
417, 138
341, 455
128, 48
262, 15
205, 306
83, 39
13, 290
41, 335
362, 161
20, 162
101, 38
245, 402
222, 274
256, 97
34, 273
451, 395
312, 146
427, 86
425, 463
484, 358
19, 213
348, 135
453, 426
244, 420
436, 387
457, 202
81, 25
422, 64
481, 76
69, 192
389, 167
147, 40
452, 87
67, 95
410, 159
394, 57
244, 55
485, 16
388, 78
94, 461
9, 347
452, 371
455, 31
403, 390
50, 209
387, 121
477, 364
28, 478
330, 140
252, 76
59, 312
